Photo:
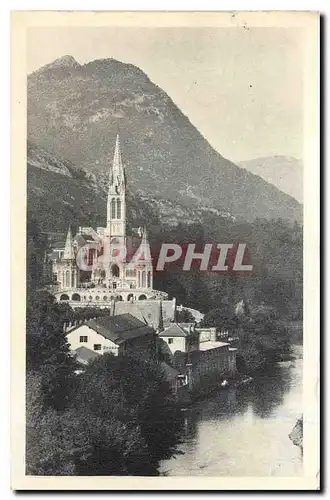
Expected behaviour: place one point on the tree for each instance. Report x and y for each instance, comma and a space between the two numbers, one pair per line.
37, 244
184, 316
221, 317
262, 342
126, 408
48, 352
53, 439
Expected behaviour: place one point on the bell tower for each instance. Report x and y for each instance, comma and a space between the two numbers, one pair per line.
116, 204
67, 271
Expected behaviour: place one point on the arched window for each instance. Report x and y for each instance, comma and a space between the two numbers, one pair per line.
67, 278
143, 284
76, 297
118, 209
129, 297
142, 297
149, 280
113, 208
115, 270
64, 296
119, 297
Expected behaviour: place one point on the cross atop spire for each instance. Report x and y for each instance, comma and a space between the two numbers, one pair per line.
68, 249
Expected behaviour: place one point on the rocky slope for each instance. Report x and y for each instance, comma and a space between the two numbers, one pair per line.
74, 112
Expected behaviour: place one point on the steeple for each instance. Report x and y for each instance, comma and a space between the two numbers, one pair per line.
68, 249
117, 181
144, 240
116, 204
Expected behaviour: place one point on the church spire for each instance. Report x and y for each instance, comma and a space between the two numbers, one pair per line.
145, 236
68, 249
117, 181
116, 204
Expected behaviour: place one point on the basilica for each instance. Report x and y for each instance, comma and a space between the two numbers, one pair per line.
87, 272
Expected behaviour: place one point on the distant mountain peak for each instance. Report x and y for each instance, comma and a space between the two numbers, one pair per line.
284, 172
65, 62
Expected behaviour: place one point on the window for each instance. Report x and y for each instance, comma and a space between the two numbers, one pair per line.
113, 208
115, 270
97, 347
170, 341
83, 338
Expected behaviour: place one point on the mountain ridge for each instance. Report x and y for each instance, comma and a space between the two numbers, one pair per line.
284, 172
82, 106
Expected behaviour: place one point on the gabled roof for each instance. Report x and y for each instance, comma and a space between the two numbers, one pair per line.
120, 328
84, 355
175, 330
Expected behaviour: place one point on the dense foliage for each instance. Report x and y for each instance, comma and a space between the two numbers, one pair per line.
276, 253
117, 417
261, 337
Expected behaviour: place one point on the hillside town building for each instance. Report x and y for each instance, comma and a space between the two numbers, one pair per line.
117, 335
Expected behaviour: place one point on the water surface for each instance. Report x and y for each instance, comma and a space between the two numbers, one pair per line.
244, 431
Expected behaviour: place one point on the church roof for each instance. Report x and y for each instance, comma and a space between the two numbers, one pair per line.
120, 328
68, 249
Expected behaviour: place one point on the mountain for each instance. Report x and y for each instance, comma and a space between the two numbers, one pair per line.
284, 172
74, 112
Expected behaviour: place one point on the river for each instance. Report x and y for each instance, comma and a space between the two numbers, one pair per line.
244, 431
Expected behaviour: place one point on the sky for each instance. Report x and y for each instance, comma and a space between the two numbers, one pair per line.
241, 88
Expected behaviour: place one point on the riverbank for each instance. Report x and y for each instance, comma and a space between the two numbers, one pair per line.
225, 428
